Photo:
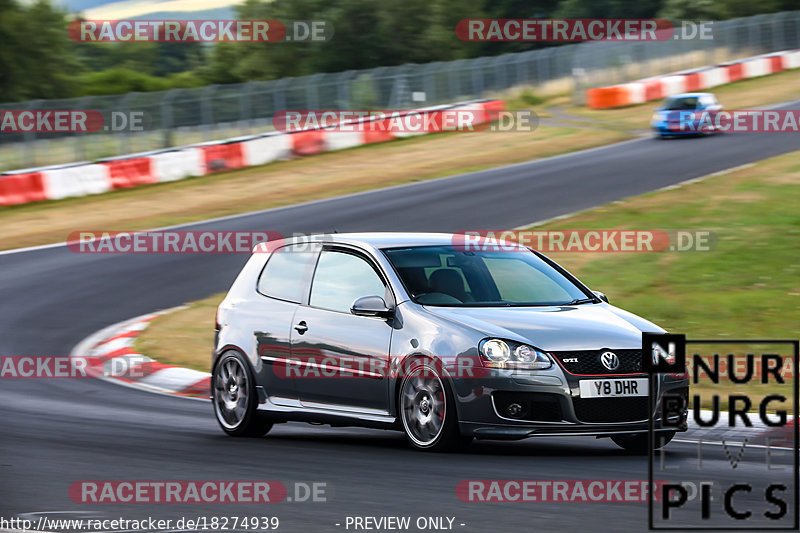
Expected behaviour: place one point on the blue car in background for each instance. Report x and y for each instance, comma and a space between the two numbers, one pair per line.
686, 114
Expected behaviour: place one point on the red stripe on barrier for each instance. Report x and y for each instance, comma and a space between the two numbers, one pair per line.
653, 90
22, 188
735, 72
775, 63
693, 82
493, 108
219, 157
308, 142
127, 173
380, 135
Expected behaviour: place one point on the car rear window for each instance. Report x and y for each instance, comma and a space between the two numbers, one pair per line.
287, 272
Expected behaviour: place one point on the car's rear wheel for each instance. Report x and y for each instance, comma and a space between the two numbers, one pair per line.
233, 394
638, 443
427, 410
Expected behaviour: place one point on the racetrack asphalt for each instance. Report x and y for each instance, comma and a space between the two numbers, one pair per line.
58, 431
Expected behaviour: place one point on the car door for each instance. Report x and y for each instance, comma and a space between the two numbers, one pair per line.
344, 358
282, 286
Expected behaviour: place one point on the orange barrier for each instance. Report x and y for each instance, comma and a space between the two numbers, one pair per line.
308, 142
660, 87
218, 157
22, 188
605, 97
126, 173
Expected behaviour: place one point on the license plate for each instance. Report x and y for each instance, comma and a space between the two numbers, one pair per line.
611, 388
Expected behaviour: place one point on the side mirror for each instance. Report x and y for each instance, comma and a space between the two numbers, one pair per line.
371, 306
601, 296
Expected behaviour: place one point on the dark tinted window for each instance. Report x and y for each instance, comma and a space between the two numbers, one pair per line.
448, 276
341, 278
681, 103
287, 272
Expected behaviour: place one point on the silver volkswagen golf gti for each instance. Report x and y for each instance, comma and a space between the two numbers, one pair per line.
424, 334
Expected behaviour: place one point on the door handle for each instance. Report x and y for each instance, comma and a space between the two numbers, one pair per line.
301, 327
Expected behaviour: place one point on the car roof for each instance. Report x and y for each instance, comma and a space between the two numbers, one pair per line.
381, 240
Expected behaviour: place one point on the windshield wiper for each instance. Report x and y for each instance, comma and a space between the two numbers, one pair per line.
578, 301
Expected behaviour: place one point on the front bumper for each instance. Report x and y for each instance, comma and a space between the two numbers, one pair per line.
552, 406
673, 128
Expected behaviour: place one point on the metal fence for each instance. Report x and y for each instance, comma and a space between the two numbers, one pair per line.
186, 116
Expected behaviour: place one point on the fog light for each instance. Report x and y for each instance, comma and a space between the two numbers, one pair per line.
514, 410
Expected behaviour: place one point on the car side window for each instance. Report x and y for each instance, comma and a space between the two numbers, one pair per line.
287, 272
341, 278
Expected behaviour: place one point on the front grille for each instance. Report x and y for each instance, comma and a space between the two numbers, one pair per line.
611, 409
536, 406
588, 362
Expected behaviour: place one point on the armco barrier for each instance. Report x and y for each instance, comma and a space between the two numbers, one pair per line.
640, 91
54, 183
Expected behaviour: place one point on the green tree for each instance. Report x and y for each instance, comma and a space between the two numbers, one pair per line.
37, 57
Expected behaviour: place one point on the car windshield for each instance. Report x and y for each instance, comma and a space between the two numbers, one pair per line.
681, 104
450, 276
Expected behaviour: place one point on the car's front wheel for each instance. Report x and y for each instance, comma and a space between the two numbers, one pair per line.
638, 443
427, 410
233, 394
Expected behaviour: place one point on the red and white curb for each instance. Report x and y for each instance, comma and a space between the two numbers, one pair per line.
112, 358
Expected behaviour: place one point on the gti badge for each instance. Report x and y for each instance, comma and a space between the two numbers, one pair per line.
570, 359
610, 360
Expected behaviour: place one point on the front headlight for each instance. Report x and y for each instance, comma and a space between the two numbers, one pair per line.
497, 353
658, 116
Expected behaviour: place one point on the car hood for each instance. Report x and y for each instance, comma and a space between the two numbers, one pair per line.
555, 328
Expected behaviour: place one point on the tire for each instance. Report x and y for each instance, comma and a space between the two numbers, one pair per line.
638, 443
234, 397
427, 410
